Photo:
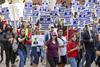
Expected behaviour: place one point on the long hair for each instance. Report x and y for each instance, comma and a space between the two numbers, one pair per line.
52, 39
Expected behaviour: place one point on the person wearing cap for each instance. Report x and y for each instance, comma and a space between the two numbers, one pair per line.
62, 42
52, 50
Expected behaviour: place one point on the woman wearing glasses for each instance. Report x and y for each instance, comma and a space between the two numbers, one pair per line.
52, 50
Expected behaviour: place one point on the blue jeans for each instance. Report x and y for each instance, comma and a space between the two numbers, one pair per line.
90, 57
22, 55
28, 48
72, 62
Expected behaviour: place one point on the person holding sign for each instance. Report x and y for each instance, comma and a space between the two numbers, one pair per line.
36, 48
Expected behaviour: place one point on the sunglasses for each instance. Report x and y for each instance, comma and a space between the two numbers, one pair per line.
53, 35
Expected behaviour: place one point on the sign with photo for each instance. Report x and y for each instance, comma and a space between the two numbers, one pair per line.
37, 40
93, 1
75, 6
54, 14
5, 12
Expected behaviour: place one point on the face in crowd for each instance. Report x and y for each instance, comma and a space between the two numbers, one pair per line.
22, 32
60, 32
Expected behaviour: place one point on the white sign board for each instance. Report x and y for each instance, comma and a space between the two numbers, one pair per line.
37, 40
5, 12
45, 21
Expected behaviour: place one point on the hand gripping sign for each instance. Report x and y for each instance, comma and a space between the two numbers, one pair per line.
5, 12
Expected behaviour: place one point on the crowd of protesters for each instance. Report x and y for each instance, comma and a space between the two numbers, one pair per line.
61, 45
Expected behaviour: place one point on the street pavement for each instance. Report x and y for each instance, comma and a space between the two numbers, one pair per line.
28, 64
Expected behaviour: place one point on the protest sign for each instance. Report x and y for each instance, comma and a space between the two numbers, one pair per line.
5, 12
45, 21
37, 40
67, 17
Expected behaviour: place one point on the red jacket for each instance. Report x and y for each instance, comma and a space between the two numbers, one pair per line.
70, 46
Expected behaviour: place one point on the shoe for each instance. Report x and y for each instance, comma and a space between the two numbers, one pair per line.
13, 65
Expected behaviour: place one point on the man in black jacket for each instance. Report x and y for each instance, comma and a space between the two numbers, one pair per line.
87, 38
2, 40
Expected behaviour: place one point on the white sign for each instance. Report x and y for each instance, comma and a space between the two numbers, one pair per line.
67, 17
75, 22
37, 40
28, 8
5, 12
45, 21
35, 15
62, 12
98, 11
88, 16
54, 14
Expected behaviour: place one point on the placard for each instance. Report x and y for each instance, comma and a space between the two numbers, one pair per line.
54, 15
28, 8
45, 21
35, 15
88, 16
67, 17
37, 40
75, 22
98, 11
62, 11
90, 5
75, 6
5, 12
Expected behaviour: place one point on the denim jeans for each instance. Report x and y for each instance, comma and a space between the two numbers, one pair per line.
90, 57
72, 62
28, 48
22, 55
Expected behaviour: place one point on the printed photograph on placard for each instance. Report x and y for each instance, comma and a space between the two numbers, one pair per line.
28, 8
5, 12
